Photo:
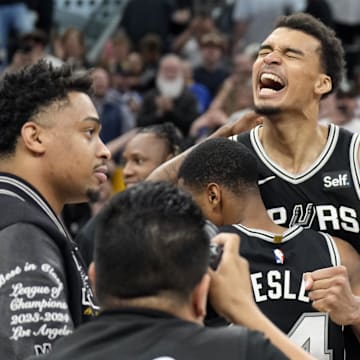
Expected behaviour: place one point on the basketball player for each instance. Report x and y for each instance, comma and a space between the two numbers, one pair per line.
222, 177
308, 174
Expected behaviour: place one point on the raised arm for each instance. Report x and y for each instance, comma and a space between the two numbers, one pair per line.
168, 170
336, 289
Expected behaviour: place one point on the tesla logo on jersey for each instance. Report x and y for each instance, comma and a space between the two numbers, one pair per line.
336, 180
279, 256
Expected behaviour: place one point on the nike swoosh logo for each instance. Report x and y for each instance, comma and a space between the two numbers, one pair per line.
263, 181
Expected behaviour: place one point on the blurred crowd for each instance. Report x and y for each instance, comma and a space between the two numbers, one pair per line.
178, 62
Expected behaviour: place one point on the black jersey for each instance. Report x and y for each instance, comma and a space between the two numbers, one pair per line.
325, 197
277, 264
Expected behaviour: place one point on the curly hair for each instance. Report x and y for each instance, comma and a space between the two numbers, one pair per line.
332, 52
222, 161
26, 93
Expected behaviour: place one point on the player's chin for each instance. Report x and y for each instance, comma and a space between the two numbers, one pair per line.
93, 193
267, 110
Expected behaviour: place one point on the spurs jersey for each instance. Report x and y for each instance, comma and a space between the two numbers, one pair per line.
277, 264
325, 197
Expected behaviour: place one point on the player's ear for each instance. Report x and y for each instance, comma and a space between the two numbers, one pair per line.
32, 136
323, 85
214, 194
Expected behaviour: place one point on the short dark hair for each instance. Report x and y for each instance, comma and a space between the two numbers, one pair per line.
167, 132
332, 52
150, 238
26, 93
222, 161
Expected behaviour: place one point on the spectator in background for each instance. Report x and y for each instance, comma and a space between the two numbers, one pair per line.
115, 52
142, 17
30, 48
233, 98
149, 148
212, 71
107, 102
347, 27
321, 10
187, 44
181, 16
74, 48
150, 50
14, 16
200, 91
44, 14
235, 93
254, 19
340, 109
171, 101
34, 45
126, 80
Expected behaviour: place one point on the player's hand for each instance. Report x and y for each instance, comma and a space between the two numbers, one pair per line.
330, 291
244, 123
230, 288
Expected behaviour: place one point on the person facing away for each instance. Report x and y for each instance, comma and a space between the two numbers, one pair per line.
50, 154
151, 280
222, 176
147, 149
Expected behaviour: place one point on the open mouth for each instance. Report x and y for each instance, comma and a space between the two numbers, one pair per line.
270, 83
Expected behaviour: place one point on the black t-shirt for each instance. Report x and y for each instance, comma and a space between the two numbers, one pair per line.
143, 334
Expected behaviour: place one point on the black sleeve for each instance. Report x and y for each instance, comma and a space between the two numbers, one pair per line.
33, 292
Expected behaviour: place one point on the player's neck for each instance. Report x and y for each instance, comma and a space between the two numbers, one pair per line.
293, 143
253, 214
161, 303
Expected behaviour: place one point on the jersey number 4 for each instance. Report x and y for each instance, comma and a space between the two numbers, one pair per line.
311, 332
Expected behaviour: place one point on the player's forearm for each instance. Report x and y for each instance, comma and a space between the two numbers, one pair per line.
259, 322
168, 171
356, 322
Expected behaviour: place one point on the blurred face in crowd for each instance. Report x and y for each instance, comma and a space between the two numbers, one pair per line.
170, 78
121, 48
242, 66
73, 44
101, 82
142, 154
211, 54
